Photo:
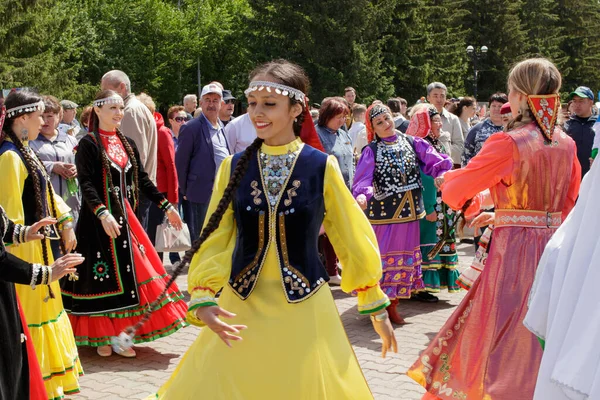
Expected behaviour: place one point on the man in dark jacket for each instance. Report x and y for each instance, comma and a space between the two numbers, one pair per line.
580, 125
201, 149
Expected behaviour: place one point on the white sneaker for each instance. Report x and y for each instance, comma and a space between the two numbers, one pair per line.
335, 280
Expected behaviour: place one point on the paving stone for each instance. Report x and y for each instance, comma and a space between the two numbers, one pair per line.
118, 378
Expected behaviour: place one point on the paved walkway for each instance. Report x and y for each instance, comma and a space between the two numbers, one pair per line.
119, 378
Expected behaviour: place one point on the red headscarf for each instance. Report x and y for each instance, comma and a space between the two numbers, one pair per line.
420, 123
374, 111
308, 134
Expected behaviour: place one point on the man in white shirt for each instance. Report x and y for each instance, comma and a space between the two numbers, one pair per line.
240, 133
436, 95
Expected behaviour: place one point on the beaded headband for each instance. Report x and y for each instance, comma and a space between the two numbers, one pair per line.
26, 108
114, 99
377, 111
278, 88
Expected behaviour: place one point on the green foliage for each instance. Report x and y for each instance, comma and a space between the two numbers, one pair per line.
380, 47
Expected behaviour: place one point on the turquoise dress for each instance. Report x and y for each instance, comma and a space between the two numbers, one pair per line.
441, 271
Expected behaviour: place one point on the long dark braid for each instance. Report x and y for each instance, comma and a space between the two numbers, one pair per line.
32, 168
211, 226
136, 169
54, 212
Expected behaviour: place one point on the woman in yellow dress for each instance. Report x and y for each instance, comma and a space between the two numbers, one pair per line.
260, 246
27, 196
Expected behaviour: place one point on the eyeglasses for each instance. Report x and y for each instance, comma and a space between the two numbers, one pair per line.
230, 101
182, 119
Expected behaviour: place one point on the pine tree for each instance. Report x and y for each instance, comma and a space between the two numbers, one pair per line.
580, 43
38, 48
497, 25
338, 42
545, 33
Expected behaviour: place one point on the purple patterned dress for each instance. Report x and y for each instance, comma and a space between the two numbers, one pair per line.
388, 174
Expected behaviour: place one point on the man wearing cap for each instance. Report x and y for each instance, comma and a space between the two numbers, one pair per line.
69, 123
580, 125
202, 147
227, 108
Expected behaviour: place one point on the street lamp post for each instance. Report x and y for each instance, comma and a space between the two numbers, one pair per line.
476, 55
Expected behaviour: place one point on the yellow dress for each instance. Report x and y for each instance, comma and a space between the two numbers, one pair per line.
47, 321
290, 351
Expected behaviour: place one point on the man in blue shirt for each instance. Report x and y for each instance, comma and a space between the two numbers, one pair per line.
201, 149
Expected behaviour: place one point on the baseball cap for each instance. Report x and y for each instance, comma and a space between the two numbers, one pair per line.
211, 88
584, 92
68, 104
227, 95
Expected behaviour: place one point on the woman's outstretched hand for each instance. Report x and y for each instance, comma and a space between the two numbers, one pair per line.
66, 265
34, 231
386, 332
483, 219
210, 316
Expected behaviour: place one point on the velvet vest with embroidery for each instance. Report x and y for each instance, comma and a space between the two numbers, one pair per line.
28, 197
293, 222
397, 186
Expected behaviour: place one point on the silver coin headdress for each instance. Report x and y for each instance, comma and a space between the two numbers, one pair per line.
25, 108
277, 88
114, 99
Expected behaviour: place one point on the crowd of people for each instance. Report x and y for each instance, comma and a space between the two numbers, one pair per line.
281, 201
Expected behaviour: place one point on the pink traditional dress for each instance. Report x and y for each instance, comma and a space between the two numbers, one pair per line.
484, 351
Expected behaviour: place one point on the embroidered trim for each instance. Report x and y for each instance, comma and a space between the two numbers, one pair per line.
243, 280
256, 193
201, 302
545, 109
99, 209
528, 218
374, 306
203, 288
366, 288
427, 368
407, 197
292, 193
164, 204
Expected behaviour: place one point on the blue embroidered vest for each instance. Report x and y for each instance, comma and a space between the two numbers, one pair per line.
397, 186
294, 223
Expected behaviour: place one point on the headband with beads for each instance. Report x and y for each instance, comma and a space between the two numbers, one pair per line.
114, 99
277, 87
26, 108
376, 111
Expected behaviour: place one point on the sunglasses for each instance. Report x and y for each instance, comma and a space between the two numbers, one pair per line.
231, 101
182, 119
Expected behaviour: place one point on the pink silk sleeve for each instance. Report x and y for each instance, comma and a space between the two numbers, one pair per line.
494, 163
573, 192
